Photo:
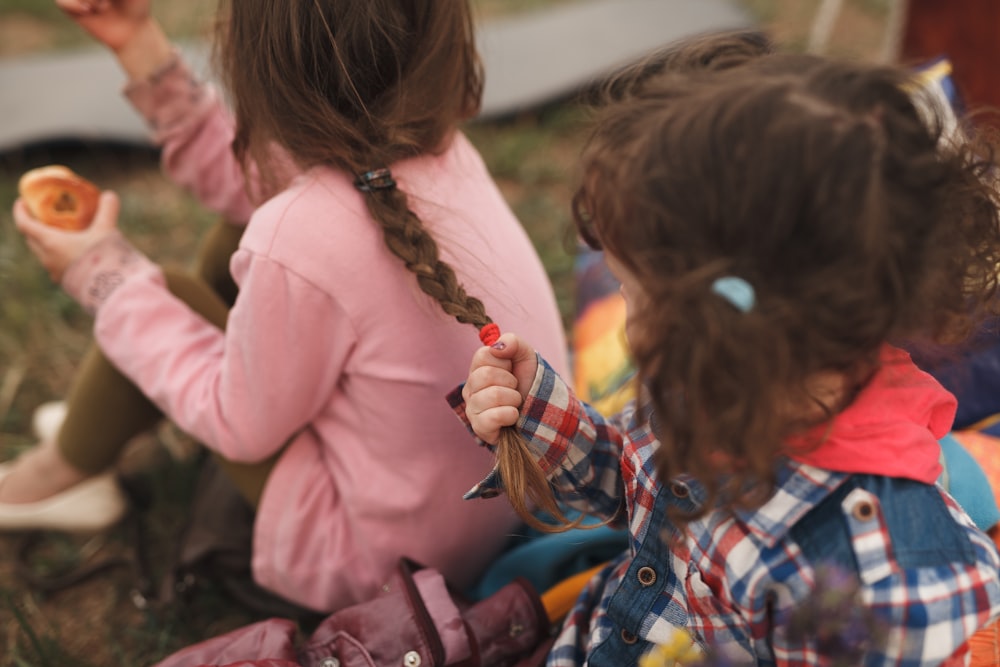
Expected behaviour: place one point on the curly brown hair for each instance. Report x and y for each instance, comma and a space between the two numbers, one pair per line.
712, 51
524, 482
828, 187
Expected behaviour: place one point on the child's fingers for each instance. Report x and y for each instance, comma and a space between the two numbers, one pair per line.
56, 249
521, 356
34, 246
76, 6
480, 394
481, 388
106, 217
487, 424
491, 401
484, 356
492, 397
39, 237
487, 376
25, 222
497, 384
511, 346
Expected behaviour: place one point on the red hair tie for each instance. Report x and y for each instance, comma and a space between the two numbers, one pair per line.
489, 334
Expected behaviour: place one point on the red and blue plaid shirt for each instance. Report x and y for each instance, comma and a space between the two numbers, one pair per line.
925, 570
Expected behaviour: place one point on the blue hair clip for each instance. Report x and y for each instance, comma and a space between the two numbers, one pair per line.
736, 291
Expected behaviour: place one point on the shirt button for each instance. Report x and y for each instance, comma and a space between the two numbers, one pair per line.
679, 490
411, 659
330, 662
863, 511
646, 576
628, 637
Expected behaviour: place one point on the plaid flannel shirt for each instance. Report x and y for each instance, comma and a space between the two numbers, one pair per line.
924, 568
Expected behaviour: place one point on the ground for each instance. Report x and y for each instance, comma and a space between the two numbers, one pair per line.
43, 333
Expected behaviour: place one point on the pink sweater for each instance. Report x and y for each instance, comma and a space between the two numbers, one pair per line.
330, 345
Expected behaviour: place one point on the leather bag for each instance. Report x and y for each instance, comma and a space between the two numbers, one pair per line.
416, 620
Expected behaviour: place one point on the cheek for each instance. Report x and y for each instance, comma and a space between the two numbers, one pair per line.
635, 309
630, 331
629, 295
631, 324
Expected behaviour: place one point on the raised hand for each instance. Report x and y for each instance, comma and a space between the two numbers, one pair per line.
112, 22
127, 27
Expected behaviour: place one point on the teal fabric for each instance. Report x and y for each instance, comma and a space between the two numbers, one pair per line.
545, 559
965, 480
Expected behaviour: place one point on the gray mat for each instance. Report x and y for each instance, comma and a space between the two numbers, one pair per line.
530, 59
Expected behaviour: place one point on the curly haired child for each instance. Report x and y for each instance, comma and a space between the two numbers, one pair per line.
778, 229
357, 216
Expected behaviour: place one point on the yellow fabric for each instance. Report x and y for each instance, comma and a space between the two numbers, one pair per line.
559, 599
601, 363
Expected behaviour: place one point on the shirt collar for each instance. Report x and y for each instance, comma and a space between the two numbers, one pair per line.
800, 487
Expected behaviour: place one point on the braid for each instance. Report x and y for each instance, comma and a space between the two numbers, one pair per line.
405, 235
408, 239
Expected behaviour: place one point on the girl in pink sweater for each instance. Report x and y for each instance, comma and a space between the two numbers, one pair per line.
366, 229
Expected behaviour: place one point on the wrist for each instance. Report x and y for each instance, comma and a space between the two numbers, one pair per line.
97, 272
146, 51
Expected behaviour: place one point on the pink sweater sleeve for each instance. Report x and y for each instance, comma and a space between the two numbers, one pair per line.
188, 119
241, 393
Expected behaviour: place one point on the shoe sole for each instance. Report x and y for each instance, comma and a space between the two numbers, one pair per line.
48, 419
92, 506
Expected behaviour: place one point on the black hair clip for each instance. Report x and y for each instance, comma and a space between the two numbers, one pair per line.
376, 179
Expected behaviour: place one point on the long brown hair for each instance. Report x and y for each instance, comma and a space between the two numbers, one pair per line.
826, 188
356, 85
359, 85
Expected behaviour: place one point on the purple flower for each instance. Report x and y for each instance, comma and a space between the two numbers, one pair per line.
835, 620
832, 618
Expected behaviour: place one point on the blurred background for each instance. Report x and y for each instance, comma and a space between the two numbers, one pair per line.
43, 333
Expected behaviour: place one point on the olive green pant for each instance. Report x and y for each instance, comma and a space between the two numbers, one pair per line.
106, 410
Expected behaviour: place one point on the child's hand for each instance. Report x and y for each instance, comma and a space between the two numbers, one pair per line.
55, 248
128, 28
499, 380
112, 22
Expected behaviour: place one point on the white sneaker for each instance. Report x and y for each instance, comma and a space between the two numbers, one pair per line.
47, 420
92, 506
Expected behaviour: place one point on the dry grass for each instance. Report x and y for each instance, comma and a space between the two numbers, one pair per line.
43, 333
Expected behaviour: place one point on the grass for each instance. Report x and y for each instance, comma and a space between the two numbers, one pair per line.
43, 333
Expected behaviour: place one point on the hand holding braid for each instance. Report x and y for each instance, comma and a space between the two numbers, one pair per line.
500, 375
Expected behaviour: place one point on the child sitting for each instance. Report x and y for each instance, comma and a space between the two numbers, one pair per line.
778, 229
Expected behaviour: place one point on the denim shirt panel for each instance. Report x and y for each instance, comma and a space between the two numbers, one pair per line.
828, 532
632, 602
